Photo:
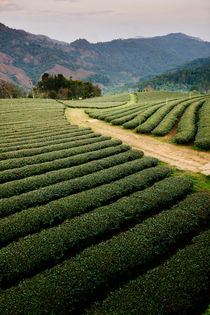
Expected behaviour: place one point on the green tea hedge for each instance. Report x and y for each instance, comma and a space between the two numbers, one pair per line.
187, 125
176, 287
64, 287
202, 139
105, 159
29, 253
87, 152
168, 122
19, 151
140, 118
157, 117
34, 219
55, 191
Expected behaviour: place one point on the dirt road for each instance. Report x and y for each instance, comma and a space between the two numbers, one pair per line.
183, 157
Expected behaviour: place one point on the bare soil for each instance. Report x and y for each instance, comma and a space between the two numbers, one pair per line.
182, 157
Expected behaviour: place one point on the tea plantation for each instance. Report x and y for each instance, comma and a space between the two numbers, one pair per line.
189, 114
89, 225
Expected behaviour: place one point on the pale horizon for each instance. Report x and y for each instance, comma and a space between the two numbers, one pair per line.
69, 20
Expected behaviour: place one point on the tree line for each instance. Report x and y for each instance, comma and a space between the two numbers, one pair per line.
57, 86
52, 86
10, 90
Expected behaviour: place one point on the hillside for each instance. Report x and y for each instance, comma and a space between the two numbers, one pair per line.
87, 222
25, 57
181, 78
185, 79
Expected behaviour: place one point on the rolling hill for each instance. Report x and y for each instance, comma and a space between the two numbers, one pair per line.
24, 57
191, 76
194, 74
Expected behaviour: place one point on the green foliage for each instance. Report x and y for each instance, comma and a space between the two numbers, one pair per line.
178, 286
10, 90
40, 143
85, 188
60, 156
99, 265
75, 156
169, 120
67, 187
187, 125
57, 86
140, 118
157, 117
102, 159
85, 139
40, 137
34, 219
108, 101
202, 139
188, 79
73, 233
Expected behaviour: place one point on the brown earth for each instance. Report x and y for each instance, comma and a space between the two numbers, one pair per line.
77, 74
182, 157
6, 70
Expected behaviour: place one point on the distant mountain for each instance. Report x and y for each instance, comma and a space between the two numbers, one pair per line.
197, 78
192, 75
24, 57
194, 64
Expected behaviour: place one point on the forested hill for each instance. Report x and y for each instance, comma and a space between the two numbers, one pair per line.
191, 77
25, 57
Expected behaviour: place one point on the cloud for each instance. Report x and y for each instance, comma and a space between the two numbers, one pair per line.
77, 14
6, 5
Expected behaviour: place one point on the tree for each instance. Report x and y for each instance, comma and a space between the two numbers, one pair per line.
57, 86
10, 90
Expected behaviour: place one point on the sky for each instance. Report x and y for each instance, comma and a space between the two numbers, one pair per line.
99, 21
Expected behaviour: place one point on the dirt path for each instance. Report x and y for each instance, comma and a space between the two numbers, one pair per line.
183, 158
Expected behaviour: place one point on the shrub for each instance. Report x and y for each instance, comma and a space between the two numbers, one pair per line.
15, 136
64, 287
187, 125
140, 118
49, 156
34, 219
168, 122
7, 150
202, 139
109, 114
80, 230
65, 188
48, 139
156, 118
125, 118
104, 159
75, 156
83, 140
176, 287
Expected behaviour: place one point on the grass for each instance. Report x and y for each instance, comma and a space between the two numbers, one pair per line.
201, 182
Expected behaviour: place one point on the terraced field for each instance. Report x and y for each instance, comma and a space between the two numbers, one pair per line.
90, 226
190, 116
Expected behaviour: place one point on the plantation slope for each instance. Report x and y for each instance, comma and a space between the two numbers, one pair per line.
82, 214
183, 158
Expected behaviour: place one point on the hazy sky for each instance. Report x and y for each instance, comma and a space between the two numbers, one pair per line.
98, 20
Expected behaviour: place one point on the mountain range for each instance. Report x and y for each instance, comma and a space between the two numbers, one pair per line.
24, 57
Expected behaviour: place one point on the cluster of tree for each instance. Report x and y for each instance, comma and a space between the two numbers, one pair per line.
57, 86
10, 90
186, 79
